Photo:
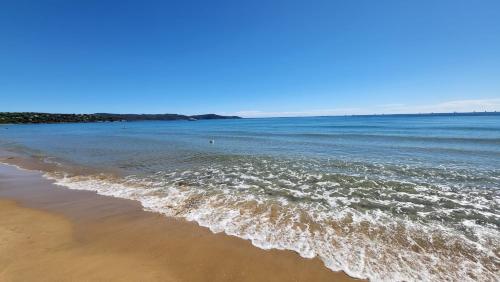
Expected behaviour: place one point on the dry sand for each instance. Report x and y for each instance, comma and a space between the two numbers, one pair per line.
49, 233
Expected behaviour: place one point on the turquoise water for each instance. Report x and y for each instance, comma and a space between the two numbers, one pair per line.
380, 197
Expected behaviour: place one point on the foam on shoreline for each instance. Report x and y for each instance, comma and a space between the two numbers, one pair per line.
49, 232
369, 245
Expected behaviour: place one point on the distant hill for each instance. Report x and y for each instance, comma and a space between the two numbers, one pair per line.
29, 117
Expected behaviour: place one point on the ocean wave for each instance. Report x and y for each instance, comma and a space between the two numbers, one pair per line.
379, 228
382, 136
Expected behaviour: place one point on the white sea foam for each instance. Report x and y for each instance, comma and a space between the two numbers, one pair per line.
371, 243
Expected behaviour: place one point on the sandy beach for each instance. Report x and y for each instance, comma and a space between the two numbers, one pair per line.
50, 233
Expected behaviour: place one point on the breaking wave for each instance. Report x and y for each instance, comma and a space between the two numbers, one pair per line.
380, 222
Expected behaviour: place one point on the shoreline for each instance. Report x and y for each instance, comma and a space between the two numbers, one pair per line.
100, 237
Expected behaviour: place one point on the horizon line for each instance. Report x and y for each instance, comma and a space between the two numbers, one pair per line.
494, 112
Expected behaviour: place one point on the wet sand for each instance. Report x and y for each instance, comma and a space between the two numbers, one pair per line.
50, 233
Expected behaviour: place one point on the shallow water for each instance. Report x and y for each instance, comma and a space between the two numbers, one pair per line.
385, 198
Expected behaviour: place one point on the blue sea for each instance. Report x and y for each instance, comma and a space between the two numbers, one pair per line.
389, 198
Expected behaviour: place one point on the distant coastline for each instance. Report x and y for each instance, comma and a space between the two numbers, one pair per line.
495, 113
34, 117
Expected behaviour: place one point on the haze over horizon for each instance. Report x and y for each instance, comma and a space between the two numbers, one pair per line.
252, 59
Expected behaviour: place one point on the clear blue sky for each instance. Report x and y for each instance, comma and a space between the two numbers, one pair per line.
255, 58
